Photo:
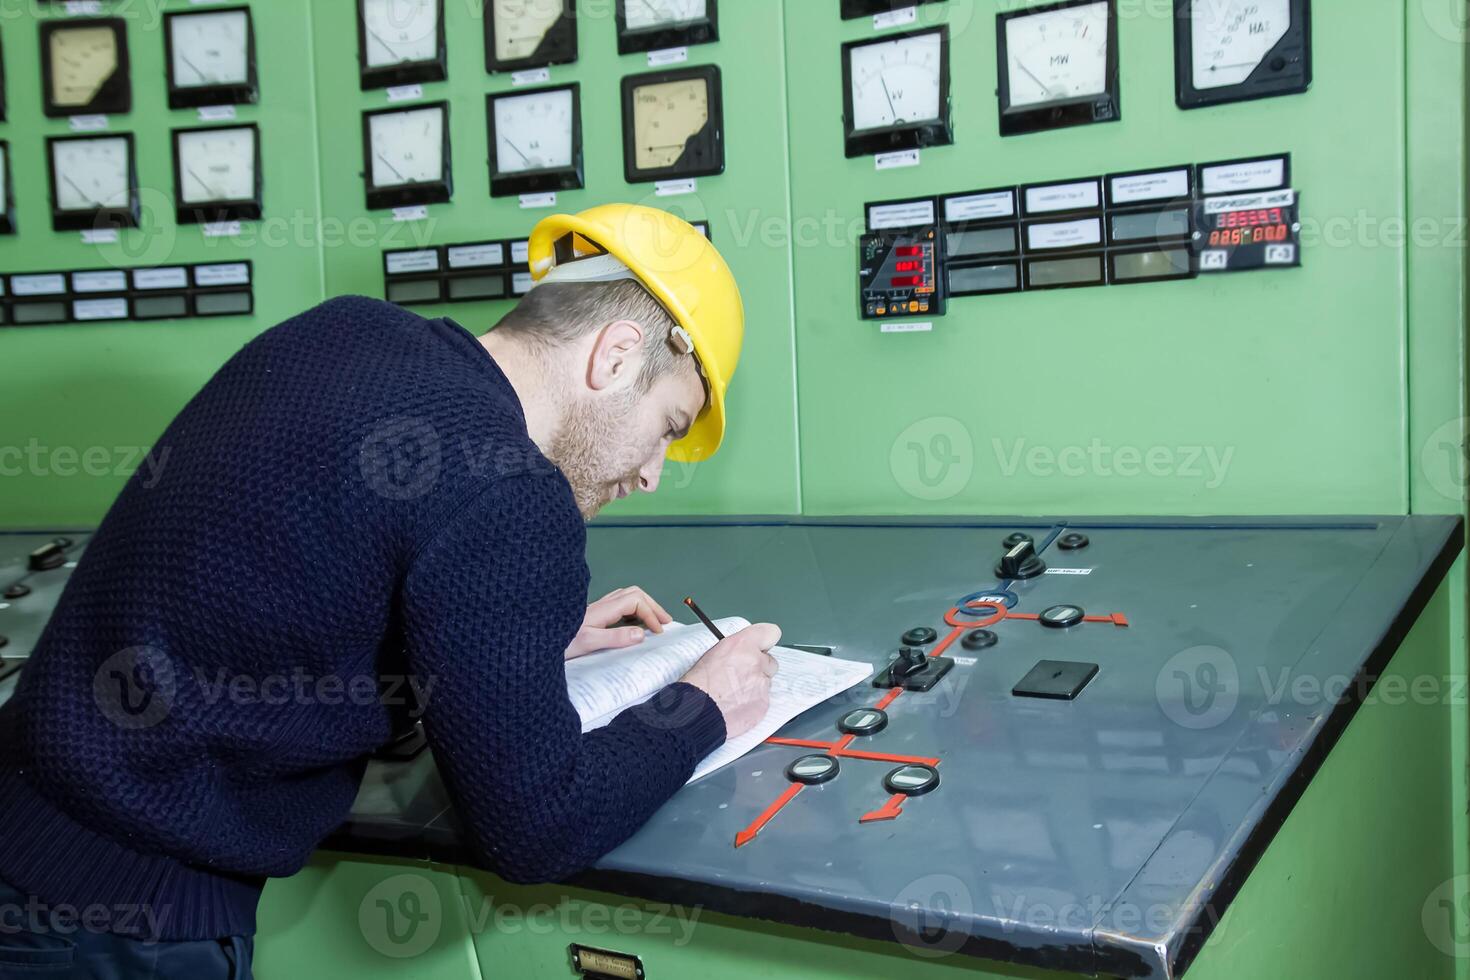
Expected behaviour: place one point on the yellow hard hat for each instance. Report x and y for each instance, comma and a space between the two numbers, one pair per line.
677, 264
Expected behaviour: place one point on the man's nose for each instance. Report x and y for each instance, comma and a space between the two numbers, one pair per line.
651, 473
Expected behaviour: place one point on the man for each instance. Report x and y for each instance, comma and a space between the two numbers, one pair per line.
361, 492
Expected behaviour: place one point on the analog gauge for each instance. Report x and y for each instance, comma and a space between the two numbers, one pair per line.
535, 141
7, 203
217, 173
529, 33
1058, 66
644, 15
93, 182
407, 155
896, 92
673, 124
1231, 50
649, 25
211, 58
400, 41
1058, 55
84, 64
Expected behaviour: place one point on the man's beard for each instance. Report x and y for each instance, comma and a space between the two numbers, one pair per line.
590, 453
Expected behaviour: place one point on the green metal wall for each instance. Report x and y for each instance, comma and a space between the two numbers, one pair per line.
1333, 388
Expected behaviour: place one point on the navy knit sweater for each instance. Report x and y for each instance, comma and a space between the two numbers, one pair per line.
353, 498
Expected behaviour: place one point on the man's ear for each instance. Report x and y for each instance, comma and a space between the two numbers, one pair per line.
616, 355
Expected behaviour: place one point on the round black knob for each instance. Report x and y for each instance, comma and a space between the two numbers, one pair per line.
919, 635
17, 591
1061, 617
1073, 540
863, 721
979, 640
1014, 539
912, 780
812, 769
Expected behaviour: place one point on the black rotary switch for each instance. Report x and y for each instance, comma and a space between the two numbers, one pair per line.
50, 555
812, 769
910, 661
1021, 561
979, 640
1072, 540
1014, 539
912, 780
17, 591
863, 721
1061, 617
919, 635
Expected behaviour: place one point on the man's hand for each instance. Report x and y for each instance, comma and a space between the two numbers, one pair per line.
736, 673
630, 603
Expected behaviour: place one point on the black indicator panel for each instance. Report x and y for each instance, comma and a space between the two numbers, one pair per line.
1249, 231
899, 274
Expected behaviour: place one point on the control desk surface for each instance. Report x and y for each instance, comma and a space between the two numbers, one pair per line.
1113, 752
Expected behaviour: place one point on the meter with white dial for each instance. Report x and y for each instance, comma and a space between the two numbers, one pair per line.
211, 57
1232, 50
651, 25
406, 156
535, 140
84, 66
673, 124
522, 34
94, 182
400, 41
896, 92
1058, 66
217, 174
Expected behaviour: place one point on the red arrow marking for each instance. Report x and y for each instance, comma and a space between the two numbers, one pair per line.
748, 834
888, 811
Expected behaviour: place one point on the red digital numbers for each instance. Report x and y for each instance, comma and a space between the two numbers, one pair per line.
900, 281
909, 250
1250, 219
1226, 237
909, 266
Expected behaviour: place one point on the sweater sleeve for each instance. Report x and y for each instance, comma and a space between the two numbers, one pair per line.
490, 604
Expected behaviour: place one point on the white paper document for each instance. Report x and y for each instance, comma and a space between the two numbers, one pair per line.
602, 685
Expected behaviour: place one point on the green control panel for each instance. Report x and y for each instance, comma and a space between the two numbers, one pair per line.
181, 176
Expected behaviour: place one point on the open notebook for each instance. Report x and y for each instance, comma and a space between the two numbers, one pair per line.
603, 684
